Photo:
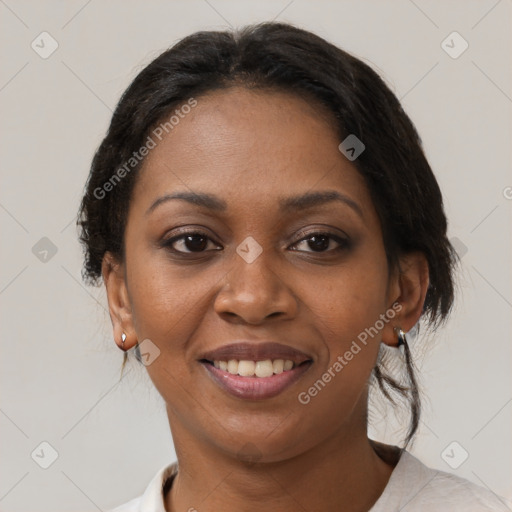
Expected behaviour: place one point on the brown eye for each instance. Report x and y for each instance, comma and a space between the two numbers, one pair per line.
188, 243
322, 242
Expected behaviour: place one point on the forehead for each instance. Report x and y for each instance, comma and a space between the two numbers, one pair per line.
250, 146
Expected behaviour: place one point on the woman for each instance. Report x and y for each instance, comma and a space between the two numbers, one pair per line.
268, 228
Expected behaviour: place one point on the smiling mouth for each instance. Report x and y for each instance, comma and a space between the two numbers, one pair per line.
255, 380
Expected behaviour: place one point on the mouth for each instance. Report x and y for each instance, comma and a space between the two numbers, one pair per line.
255, 372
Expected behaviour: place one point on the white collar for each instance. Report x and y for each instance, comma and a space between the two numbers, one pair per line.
153, 498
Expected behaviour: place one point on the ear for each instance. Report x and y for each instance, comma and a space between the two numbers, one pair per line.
118, 301
408, 289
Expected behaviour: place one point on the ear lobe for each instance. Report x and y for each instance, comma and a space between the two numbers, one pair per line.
118, 301
412, 280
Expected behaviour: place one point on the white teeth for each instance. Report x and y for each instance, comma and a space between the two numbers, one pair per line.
278, 366
232, 366
264, 368
247, 368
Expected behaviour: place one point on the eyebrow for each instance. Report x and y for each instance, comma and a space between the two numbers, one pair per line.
286, 204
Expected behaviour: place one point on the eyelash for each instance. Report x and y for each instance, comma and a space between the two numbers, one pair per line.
343, 242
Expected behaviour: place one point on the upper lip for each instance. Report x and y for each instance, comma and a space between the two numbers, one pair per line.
250, 351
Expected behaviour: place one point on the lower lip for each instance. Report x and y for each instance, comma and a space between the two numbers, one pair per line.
256, 388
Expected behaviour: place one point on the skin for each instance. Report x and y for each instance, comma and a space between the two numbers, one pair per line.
251, 148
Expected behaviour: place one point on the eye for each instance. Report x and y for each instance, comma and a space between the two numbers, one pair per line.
321, 241
192, 241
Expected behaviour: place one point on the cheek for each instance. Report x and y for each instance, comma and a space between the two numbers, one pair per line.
349, 300
347, 314
165, 297
164, 307
166, 310
167, 317
344, 315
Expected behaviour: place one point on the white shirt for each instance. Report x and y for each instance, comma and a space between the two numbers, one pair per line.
412, 487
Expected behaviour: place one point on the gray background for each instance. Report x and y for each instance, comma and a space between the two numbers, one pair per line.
60, 367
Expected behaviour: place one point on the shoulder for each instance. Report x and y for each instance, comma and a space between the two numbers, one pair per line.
414, 487
456, 493
152, 500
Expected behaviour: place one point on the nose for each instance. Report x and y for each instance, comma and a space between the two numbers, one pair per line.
253, 292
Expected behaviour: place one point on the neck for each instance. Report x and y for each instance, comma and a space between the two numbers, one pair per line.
344, 469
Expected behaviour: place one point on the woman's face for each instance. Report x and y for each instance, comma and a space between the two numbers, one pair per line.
259, 271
